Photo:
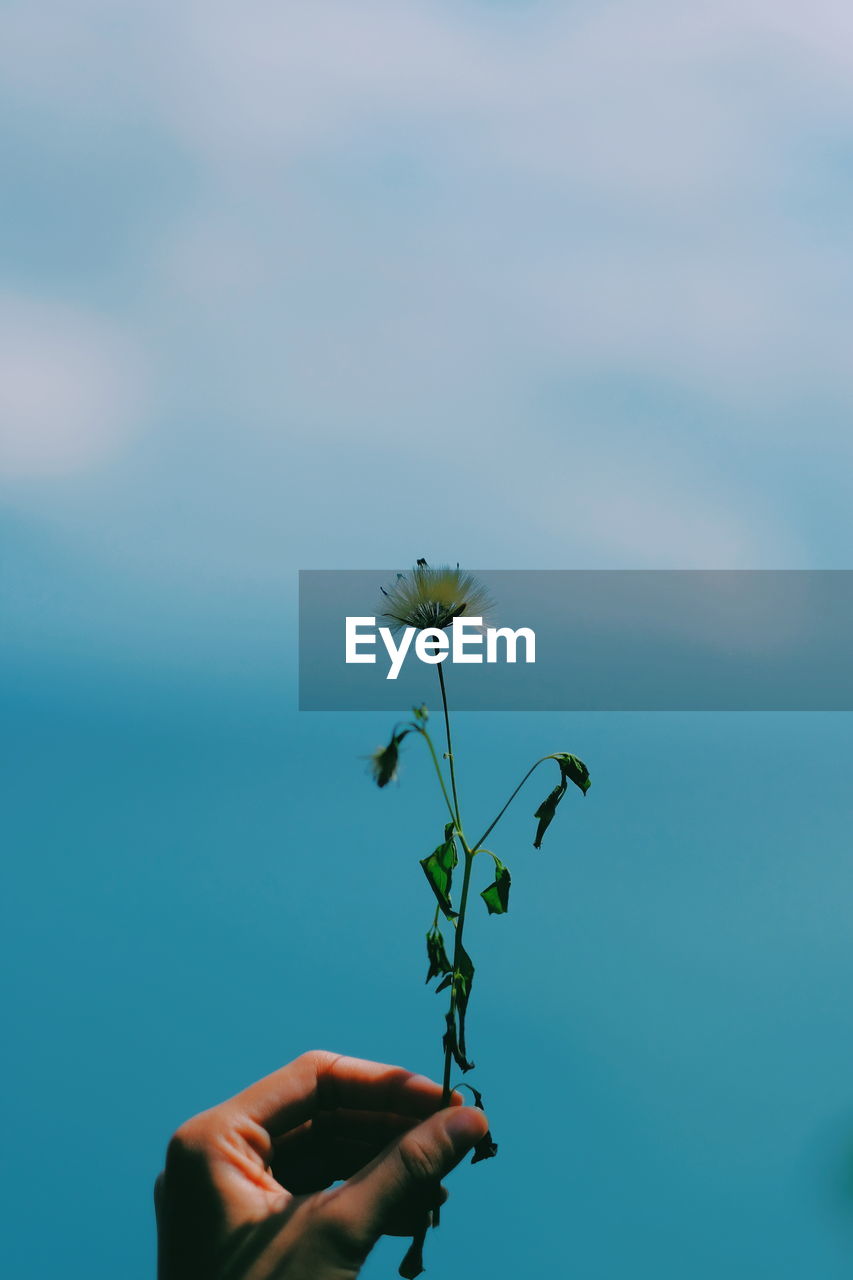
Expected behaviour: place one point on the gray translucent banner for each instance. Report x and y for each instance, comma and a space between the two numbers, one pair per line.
605, 640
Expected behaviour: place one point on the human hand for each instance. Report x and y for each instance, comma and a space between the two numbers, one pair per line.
247, 1190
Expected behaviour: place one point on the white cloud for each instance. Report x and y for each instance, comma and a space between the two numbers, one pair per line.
586, 190
613, 186
69, 389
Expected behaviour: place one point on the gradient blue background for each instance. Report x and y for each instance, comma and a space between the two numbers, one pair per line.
521, 285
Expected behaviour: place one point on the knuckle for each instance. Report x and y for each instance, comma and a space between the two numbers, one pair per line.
315, 1062
421, 1160
318, 1059
187, 1144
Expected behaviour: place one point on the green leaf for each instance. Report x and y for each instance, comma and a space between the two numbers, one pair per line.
496, 896
547, 809
438, 869
454, 1036
436, 954
574, 769
421, 713
463, 978
383, 762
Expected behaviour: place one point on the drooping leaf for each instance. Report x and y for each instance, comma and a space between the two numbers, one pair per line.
485, 1148
475, 1094
438, 869
463, 978
413, 1263
496, 896
547, 809
437, 955
445, 982
573, 768
383, 762
450, 1041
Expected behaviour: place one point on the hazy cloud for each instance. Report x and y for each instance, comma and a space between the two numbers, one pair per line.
69, 389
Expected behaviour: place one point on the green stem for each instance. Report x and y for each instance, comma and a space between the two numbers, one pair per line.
422, 731
490, 828
449, 743
460, 921
460, 925
457, 956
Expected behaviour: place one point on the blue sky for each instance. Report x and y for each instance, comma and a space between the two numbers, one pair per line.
521, 285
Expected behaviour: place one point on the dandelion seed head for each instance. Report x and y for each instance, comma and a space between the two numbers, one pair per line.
433, 597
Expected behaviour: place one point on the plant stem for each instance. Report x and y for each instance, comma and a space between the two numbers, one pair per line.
422, 731
493, 824
457, 944
449, 743
457, 956
460, 921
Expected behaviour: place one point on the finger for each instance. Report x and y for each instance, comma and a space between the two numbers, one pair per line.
323, 1081
311, 1158
398, 1179
332, 1146
380, 1127
308, 1167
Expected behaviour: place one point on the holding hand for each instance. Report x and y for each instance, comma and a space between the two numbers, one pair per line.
247, 1191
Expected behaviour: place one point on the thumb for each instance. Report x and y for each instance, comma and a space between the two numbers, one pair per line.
405, 1175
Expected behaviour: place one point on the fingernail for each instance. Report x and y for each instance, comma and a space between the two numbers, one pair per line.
465, 1126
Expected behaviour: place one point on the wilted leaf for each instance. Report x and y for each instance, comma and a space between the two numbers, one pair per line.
383, 762
547, 809
437, 955
413, 1263
485, 1148
575, 770
450, 1041
438, 869
463, 978
476, 1095
496, 896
